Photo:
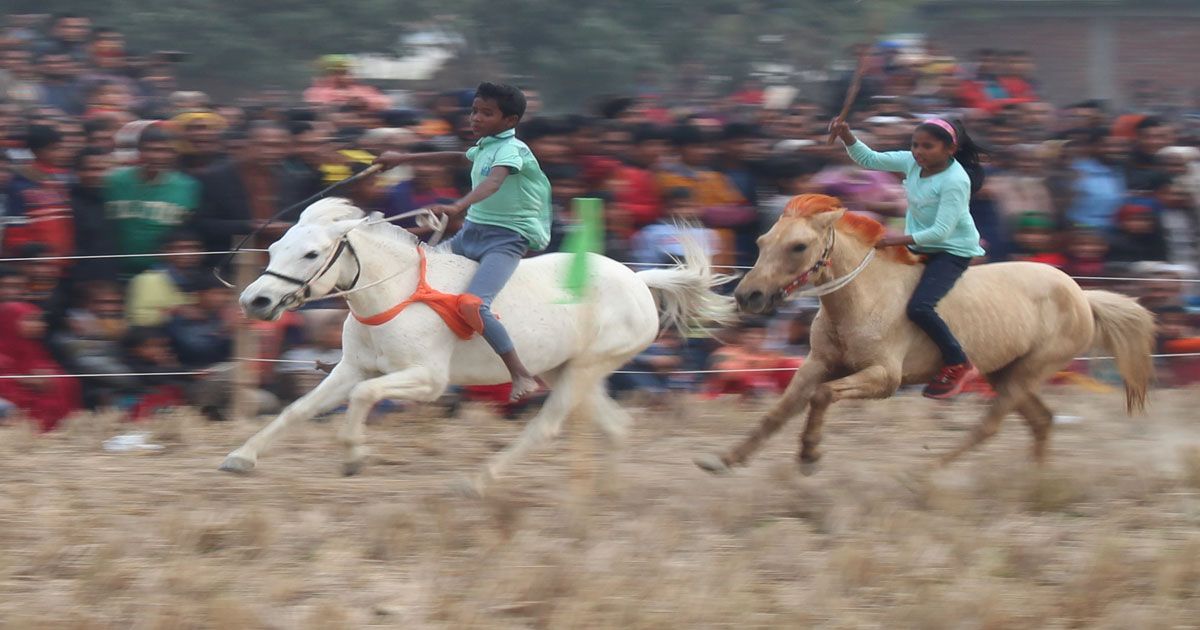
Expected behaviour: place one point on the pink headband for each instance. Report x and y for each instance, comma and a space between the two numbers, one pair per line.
949, 128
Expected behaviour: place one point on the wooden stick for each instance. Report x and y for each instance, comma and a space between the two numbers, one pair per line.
852, 91
246, 345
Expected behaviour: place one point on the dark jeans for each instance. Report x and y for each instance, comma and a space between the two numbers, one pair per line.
942, 270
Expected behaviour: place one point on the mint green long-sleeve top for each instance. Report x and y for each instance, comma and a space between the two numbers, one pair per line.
939, 215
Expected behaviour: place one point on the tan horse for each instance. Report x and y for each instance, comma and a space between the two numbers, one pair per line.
1018, 322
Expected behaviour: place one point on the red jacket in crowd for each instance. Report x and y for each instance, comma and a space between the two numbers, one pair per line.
41, 197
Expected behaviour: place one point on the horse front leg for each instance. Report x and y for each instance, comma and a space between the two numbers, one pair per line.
873, 382
415, 383
329, 393
794, 399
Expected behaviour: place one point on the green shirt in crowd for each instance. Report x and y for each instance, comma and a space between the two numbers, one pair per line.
142, 212
523, 202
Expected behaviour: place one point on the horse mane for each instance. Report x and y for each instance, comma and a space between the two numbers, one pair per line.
332, 209
859, 226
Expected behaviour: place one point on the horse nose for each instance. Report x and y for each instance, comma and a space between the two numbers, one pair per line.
260, 303
752, 301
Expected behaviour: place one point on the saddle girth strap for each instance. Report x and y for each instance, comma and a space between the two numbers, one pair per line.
446, 305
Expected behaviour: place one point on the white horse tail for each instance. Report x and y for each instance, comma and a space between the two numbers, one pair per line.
1125, 329
684, 293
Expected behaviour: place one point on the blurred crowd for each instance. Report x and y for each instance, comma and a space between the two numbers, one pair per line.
103, 153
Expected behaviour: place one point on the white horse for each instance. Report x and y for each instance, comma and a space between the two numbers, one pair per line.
415, 356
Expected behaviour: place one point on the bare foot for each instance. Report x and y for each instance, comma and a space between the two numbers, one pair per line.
325, 367
525, 386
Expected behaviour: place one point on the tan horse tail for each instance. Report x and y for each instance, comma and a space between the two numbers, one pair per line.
1125, 330
684, 293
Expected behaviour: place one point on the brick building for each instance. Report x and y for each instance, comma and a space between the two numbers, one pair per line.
1108, 49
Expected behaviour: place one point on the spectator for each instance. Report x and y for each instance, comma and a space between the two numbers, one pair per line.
147, 351
310, 150
1152, 136
300, 371
199, 140
1178, 335
243, 194
432, 184
13, 284
655, 371
91, 343
1087, 253
1099, 185
100, 132
1138, 236
745, 368
39, 196
693, 170
636, 188
69, 35
201, 334
19, 81
1035, 240
60, 86
1181, 222
1023, 188
146, 202
337, 87
93, 231
662, 242
154, 294
45, 398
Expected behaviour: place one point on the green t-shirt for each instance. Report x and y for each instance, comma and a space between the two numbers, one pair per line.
142, 212
523, 202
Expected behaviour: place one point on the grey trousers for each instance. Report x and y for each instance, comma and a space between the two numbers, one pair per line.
498, 251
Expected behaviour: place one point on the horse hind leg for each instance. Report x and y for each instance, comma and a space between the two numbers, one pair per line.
1040, 419
543, 427
613, 422
1013, 388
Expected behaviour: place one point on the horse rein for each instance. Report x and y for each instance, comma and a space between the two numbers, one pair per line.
823, 262
367, 172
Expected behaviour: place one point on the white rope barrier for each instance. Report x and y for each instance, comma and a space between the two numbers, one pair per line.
259, 360
628, 264
103, 256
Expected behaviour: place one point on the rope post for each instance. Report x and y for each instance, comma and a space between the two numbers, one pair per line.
245, 346
589, 213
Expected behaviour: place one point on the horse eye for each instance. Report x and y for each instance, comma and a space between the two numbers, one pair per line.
311, 255
799, 248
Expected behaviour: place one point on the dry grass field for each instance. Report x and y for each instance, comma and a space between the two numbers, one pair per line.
1106, 536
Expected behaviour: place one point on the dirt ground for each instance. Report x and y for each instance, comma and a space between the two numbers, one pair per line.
1106, 536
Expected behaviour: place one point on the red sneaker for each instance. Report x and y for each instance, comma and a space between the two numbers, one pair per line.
950, 381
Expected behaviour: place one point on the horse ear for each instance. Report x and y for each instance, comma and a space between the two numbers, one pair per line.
340, 228
826, 219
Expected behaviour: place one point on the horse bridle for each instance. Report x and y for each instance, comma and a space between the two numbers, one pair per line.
303, 290
821, 263
303, 293
832, 285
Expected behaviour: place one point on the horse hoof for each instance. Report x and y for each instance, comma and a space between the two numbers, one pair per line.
713, 464
237, 465
809, 468
350, 469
